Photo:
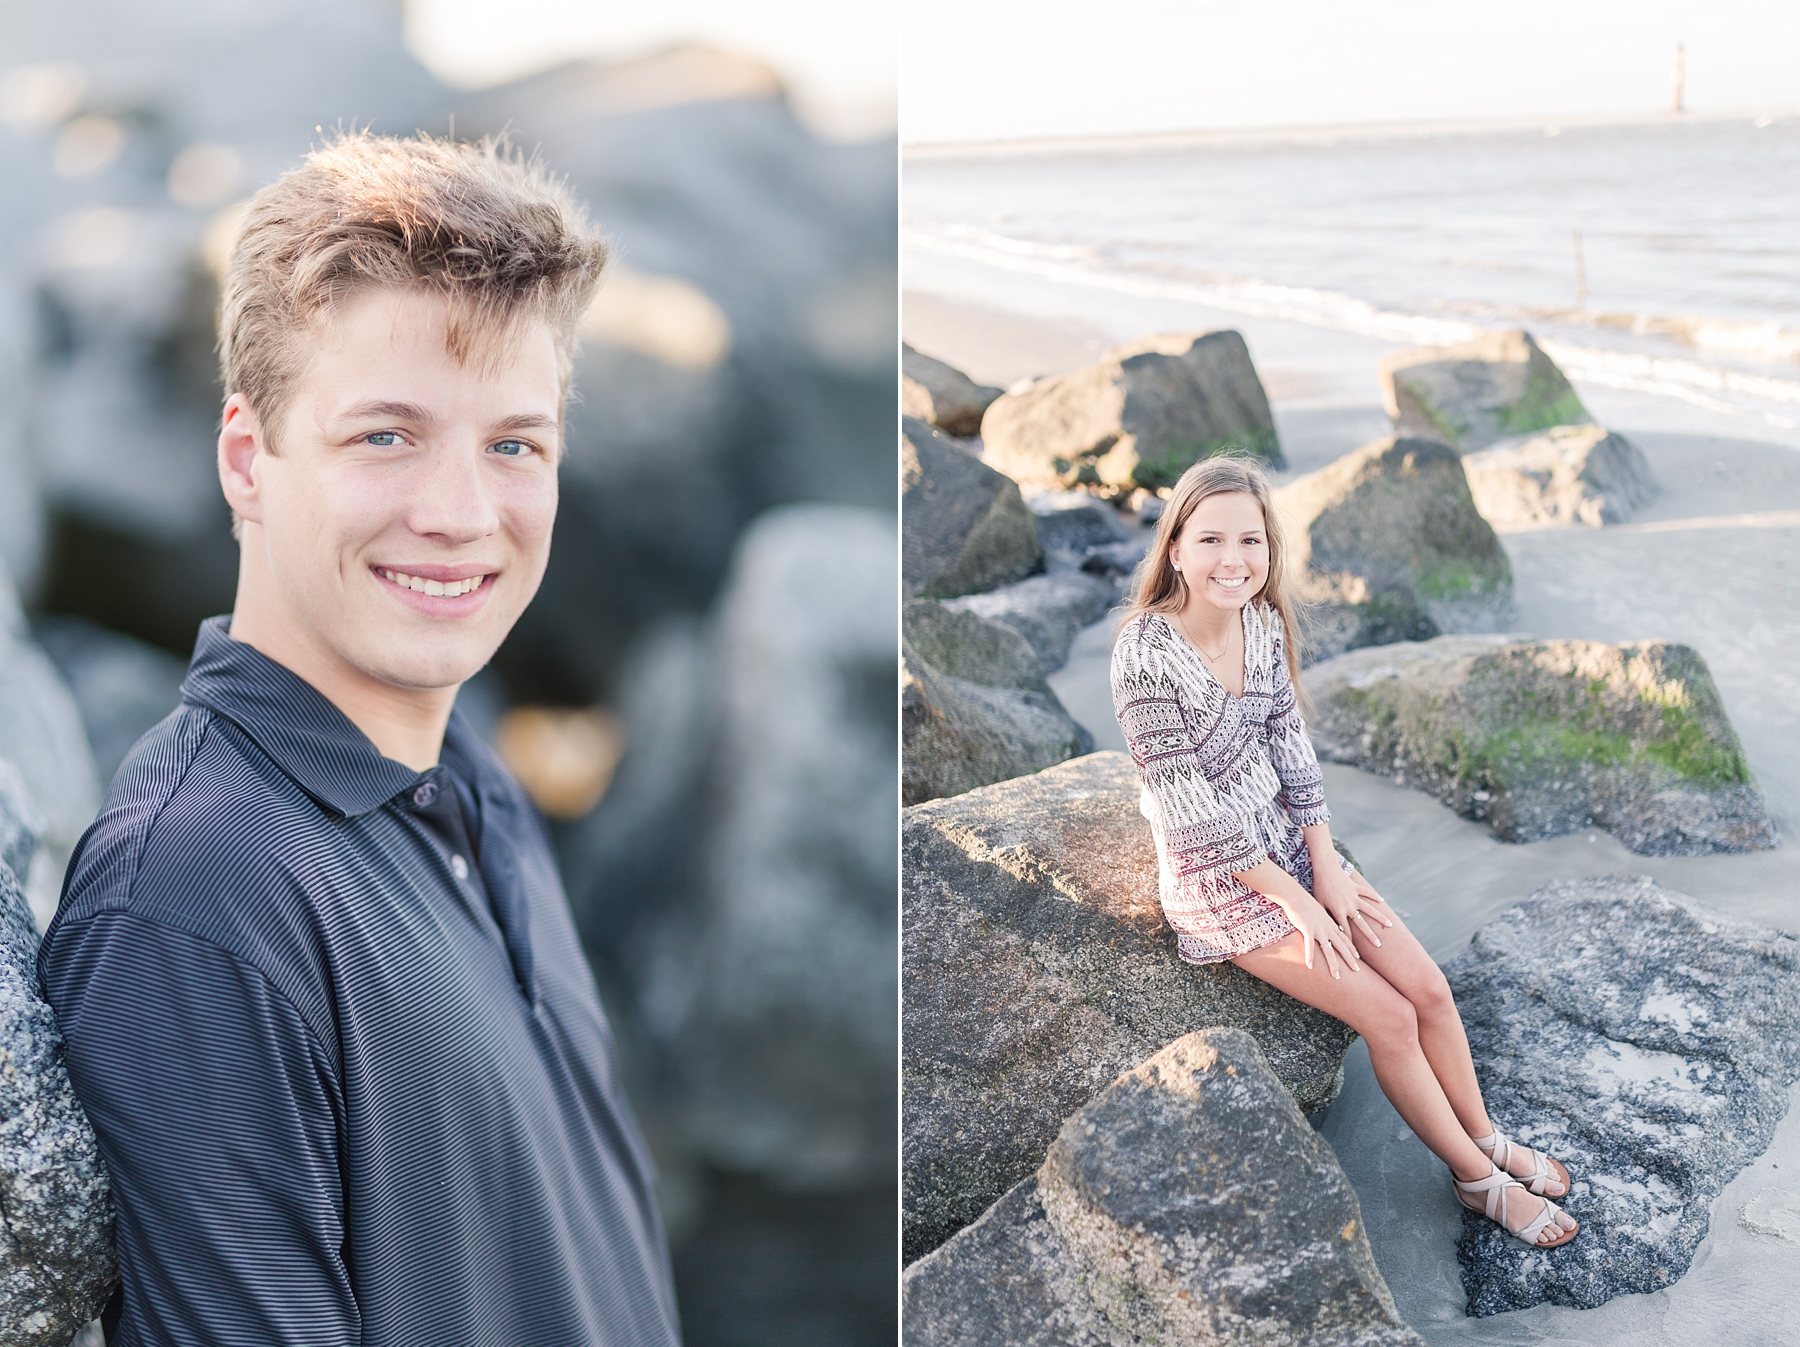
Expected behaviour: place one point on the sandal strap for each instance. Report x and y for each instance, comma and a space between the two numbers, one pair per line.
1530, 1231
1502, 1146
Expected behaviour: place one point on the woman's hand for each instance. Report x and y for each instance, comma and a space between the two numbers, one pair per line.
1350, 900
1317, 928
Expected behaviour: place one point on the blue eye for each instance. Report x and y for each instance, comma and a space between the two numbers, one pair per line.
383, 439
512, 448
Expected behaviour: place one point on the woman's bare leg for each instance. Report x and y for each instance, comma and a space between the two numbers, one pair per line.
1367, 1002
1392, 1027
1403, 962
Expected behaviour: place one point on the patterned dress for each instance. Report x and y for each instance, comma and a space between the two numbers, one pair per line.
1227, 780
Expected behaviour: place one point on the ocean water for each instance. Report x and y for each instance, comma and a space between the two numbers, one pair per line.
1689, 248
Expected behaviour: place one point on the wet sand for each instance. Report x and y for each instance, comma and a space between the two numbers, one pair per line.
1714, 563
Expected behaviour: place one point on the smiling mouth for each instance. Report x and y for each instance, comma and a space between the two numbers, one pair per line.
445, 589
1234, 582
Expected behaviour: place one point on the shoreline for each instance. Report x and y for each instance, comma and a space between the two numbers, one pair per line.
1318, 133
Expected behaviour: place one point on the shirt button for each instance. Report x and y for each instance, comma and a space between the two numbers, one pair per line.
426, 795
459, 867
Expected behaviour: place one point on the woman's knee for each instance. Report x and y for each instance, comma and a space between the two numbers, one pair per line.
1389, 1020
1430, 996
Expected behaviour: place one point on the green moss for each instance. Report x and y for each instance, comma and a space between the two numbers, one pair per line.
1448, 580
1548, 401
1165, 468
1689, 751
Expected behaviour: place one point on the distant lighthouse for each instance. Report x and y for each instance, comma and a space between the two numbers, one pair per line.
1678, 102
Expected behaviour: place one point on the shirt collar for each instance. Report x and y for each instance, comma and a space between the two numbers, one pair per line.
295, 724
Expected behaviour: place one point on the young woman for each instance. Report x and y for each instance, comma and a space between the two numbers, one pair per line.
1203, 678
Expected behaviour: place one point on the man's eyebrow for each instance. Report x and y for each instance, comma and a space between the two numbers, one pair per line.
527, 421
382, 409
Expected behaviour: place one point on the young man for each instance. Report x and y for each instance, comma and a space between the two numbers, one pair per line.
318, 982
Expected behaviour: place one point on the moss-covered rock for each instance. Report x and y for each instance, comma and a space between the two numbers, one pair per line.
942, 394
964, 528
1542, 738
1139, 416
1475, 393
1036, 967
974, 706
1386, 545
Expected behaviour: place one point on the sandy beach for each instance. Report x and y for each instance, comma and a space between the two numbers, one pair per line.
1714, 563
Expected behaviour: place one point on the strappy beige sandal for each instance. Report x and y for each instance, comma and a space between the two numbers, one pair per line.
1542, 1166
1496, 1187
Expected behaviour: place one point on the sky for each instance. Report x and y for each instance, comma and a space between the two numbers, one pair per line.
838, 61
1005, 69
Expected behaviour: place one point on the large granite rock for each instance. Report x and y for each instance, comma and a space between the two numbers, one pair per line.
41, 735
1580, 476
1470, 395
1047, 610
974, 705
1647, 1041
1542, 738
1187, 1204
964, 527
1036, 966
1387, 545
942, 394
56, 1241
735, 885
1138, 417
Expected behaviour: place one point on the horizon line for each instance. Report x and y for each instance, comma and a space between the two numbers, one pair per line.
1219, 136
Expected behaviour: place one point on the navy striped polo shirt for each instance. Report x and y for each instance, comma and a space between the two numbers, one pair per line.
352, 1086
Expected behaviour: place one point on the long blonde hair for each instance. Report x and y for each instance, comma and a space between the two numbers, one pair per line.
1157, 587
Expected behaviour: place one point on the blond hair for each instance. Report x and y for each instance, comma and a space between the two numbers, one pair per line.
1157, 587
479, 225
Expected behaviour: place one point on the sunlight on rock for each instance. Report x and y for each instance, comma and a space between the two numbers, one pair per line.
660, 316
34, 96
563, 758
204, 175
87, 145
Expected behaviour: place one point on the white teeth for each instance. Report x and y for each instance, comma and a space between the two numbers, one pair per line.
449, 589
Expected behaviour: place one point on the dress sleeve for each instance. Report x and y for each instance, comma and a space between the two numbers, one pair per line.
213, 1106
1200, 834
1290, 749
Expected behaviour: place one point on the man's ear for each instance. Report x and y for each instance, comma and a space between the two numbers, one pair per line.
241, 444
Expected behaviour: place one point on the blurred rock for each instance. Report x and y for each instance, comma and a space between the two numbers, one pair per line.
790, 1046
1116, 559
1138, 417
1386, 545
974, 705
1187, 1204
735, 885
941, 394
122, 686
1470, 395
56, 1242
964, 527
1047, 610
1646, 1040
1036, 966
1568, 475
1542, 738
1070, 524
41, 735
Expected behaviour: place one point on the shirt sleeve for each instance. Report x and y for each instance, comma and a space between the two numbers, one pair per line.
213, 1105
1290, 748
1201, 836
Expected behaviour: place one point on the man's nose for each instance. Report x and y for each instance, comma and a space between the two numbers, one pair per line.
451, 499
